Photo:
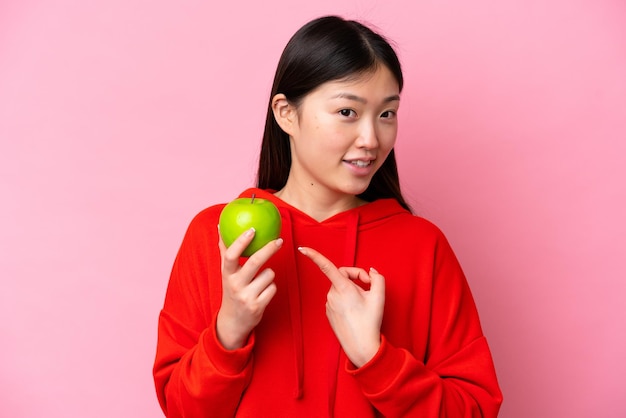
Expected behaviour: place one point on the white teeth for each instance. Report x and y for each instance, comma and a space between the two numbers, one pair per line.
360, 163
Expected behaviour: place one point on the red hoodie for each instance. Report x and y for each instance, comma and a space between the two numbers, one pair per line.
433, 361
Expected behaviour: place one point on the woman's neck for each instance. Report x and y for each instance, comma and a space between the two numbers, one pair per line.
318, 204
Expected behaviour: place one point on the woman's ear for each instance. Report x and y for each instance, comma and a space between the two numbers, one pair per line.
284, 113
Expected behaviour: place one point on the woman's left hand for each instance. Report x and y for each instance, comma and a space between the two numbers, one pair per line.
355, 314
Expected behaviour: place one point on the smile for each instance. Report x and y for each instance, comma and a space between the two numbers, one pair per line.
361, 163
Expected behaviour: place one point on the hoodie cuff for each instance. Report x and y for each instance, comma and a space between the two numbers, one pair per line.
228, 362
380, 372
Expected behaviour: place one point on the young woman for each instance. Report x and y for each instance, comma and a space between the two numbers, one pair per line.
360, 309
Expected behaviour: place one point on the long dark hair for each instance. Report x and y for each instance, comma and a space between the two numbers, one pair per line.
326, 49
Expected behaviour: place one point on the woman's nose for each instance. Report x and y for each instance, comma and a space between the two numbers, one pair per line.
368, 137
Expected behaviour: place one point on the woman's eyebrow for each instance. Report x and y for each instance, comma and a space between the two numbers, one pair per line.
394, 98
356, 98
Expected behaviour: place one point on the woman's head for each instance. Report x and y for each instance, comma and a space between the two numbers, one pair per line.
324, 50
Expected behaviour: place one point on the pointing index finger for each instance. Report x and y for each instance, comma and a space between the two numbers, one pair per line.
327, 266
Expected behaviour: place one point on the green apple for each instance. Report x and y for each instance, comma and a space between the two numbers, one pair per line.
248, 212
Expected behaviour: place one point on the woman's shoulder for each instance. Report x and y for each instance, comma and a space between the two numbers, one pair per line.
419, 226
392, 215
205, 220
210, 214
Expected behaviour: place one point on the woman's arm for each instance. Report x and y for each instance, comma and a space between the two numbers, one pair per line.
197, 372
455, 379
447, 369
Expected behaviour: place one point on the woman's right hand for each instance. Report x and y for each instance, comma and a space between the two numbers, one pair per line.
245, 294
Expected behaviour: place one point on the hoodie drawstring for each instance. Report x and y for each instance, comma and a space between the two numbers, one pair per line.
295, 305
349, 260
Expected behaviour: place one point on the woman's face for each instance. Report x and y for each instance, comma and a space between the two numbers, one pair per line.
343, 133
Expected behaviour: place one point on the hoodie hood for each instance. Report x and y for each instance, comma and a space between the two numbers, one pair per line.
350, 222
375, 211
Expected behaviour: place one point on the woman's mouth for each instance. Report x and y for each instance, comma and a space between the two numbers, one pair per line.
361, 163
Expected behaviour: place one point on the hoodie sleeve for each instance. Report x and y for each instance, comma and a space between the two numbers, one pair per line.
193, 374
456, 377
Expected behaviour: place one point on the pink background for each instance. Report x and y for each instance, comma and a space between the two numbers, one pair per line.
119, 121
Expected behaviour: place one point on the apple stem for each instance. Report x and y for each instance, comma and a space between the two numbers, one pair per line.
253, 196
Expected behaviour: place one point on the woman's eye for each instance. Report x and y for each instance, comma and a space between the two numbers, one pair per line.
388, 114
349, 113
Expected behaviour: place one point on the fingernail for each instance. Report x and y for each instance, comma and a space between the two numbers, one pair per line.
250, 232
302, 250
373, 270
279, 242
